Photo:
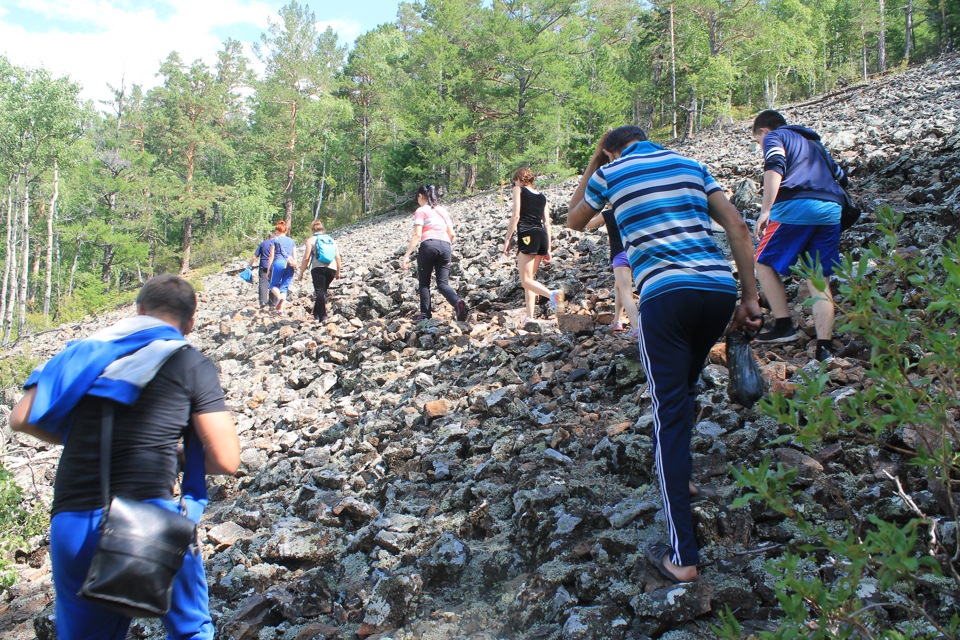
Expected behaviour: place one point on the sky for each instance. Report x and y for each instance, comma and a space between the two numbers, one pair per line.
100, 42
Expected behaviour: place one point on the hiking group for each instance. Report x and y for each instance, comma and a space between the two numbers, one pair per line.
659, 208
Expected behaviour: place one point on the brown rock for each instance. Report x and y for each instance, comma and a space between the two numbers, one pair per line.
774, 372
575, 323
254, 614
807, 466
618, 428
356, 510
830, 452
227, 533
435, 409
718, 354
318, 631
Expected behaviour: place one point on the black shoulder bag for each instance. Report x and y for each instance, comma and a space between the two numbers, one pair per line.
141, 547
849, 212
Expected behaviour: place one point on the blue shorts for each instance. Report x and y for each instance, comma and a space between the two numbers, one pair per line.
782, 244
620, 260
73, 539
282, 276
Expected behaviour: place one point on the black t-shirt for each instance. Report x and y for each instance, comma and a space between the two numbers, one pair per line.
531, 210
613, 232
145, 436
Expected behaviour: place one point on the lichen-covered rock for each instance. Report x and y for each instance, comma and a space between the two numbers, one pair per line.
390, 603
445, 561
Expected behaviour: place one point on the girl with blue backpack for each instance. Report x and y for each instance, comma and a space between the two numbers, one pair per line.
320, 255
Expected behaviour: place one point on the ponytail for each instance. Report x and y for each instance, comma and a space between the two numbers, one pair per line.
429, 193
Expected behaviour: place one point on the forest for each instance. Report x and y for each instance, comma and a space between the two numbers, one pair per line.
460, 93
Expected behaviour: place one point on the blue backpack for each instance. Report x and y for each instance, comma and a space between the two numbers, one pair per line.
324, 249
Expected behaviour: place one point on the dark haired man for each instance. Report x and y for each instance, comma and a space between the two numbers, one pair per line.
799, 217
163, 390
664, 203
262, 254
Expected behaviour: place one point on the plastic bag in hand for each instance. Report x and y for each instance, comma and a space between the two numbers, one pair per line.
246, 275
746, 384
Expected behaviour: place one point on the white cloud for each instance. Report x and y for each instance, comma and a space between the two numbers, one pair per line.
129, 44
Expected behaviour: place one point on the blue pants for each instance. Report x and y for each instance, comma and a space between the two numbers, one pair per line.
73, 539
677, 331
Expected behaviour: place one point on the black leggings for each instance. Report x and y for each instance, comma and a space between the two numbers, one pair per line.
434, 256
322, 277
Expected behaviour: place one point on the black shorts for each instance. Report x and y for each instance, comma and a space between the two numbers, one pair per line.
532, 242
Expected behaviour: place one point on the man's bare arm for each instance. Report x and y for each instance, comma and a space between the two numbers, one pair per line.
221, 444
21, 414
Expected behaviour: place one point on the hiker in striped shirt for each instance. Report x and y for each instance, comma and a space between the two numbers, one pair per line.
664, 204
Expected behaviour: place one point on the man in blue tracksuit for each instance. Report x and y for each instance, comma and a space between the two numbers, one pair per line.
664, 205
799, 217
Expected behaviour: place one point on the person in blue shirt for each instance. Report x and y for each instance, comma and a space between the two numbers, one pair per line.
664, 205
799, 218
262, 254
283, 263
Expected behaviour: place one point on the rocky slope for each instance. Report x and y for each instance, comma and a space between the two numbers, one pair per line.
486, 480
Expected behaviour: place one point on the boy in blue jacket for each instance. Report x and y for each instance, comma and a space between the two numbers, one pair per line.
799, 217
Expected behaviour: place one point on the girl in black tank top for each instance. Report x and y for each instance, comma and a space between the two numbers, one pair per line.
532, 206
531, 221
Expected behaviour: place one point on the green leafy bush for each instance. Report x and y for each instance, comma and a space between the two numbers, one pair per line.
15, 369
904, 309
19, 521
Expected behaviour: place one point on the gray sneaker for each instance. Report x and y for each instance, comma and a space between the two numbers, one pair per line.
788, 334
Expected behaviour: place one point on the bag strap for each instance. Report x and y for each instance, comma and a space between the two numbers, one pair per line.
106, 448
826, 158
283, 254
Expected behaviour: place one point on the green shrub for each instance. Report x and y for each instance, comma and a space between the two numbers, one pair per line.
19, 521
15, 369
905, 308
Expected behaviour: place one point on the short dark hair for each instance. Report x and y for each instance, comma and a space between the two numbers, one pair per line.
619, 138
169, 295
769, 119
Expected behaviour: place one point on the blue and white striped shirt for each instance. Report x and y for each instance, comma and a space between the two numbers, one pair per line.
659, 198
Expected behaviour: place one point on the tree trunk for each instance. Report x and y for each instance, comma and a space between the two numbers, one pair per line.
673, 77
25, 226
470, 175
35, 267
882, 38
946, 46
187, 243
291, 169
714, 37
188, 219
863, 49
50, 219
363, 182
691, 116
323, 182
9, 259
521, 113
107, 264
907, 31
73, 268
59, 263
